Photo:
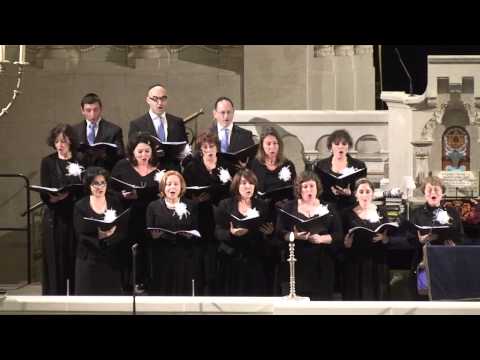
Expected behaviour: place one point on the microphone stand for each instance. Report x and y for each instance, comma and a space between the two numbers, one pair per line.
134, 277
406, 71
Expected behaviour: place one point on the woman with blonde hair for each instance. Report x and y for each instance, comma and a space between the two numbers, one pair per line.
175, 257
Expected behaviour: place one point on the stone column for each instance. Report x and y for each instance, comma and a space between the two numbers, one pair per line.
321, 78
140, 56
275, 77
400, 129
58, 58
345, 83
364, 78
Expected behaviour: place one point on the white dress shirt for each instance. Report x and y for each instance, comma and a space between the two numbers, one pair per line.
221, 133
97, 125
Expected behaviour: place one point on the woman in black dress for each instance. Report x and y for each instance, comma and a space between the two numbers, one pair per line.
98, 254
340, 162
242, 249
207, 169
339, 194
314, 267
273, 171
58, 241
175, 259
140, 168
432, 214
366, 266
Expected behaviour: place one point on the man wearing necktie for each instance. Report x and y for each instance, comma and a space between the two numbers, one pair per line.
91, 132
159, 123
95, 129
232, 137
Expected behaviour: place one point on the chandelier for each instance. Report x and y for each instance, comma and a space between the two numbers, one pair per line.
20, 64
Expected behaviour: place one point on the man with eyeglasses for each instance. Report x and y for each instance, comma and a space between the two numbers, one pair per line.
157, 122
95, 129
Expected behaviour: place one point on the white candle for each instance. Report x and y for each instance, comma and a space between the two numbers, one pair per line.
2, 52
22, 54
292, 237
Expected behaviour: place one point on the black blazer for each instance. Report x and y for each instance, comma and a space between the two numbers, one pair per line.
107, 132
176, 127
341, 202
239, 139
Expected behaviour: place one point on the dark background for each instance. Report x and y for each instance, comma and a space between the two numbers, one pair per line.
415, 59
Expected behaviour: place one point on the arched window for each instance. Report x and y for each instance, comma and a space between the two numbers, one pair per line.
455, 149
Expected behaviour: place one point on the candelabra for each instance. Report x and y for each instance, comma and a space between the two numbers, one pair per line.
20, 64
291, 260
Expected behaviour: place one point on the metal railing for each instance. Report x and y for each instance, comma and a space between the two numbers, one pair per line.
28, 226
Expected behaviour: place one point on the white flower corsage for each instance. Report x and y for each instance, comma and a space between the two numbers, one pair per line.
74, 169
321, 210
110, 215
159, 175
285, 174
372, 214
252, 214
181, 210
187, 150
224, 175
442, 217
348, 171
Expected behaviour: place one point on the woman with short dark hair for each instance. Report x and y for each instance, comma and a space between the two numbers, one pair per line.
242, 248
207, 169
314, 268
98, 254
339, 192
339, 163
58, 241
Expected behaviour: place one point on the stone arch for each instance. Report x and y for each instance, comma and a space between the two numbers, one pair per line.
368, 144
321, 145
294, 151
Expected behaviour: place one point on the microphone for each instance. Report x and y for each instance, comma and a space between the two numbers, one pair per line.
406, 71
134, 276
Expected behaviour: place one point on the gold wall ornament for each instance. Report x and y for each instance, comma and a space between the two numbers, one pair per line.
22, 52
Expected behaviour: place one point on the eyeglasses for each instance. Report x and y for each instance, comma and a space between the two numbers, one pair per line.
99, 183
157, 99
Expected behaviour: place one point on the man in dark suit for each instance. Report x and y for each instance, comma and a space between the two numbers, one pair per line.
159, 123
94, 129
232, 137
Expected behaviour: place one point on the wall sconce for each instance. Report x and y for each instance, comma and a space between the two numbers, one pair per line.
22, 52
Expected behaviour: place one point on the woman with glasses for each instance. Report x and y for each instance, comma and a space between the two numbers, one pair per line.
207, 169
58, 242
140, 169
432, 213
98, 254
